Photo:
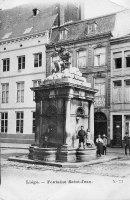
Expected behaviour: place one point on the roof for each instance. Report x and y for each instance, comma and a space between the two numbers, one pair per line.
117, 24
79, 30
20, 21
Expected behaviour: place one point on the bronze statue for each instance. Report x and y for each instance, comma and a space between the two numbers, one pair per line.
64, 56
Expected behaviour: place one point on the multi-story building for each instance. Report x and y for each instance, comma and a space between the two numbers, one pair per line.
88, 42
120, 89
24, 31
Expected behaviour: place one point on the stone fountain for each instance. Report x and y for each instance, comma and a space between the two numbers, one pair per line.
64, 102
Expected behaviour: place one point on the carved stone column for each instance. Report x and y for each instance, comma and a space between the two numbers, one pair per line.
67, 124
67, 153
91, 118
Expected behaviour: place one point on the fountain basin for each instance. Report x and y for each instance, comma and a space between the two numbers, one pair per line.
63, 154
87, 154
46, 154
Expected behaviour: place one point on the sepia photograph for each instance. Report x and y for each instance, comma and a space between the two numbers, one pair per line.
65, 100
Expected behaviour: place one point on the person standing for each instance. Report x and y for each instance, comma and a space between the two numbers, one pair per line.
89, 141
99, 144
88, 138
104, 138
127, 143
81, 136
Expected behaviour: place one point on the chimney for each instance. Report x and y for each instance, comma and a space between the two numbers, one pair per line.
62, 14
58, 12
35, 12
81, 10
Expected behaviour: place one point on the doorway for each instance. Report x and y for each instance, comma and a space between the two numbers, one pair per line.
100, 124
117, 130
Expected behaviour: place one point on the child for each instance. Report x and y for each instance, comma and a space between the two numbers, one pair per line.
104, 138
99, 143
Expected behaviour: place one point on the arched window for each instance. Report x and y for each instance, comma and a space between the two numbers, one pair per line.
99, 116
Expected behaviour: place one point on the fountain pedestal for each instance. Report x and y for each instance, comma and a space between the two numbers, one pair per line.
64, 102
67, 154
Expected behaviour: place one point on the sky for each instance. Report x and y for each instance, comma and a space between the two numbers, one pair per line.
6, 4
125, 3
12, 3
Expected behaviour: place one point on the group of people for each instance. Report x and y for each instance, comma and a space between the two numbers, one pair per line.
101, 143
85, 139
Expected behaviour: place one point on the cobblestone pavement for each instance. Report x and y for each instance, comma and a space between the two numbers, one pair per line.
114, 168
104, 181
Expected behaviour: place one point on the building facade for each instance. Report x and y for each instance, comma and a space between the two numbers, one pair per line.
89, 43
120, 89
24, 31
89, 48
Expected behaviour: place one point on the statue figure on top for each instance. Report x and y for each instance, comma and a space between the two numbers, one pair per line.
63, 63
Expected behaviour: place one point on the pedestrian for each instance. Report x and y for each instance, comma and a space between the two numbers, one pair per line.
127, 143
104, 138
81, 136
89, 141
99, 144
88, 138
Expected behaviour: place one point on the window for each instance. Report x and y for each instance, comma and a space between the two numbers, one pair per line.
127, 58
33, 122
6, 64
20, 92
5, 92
81, 59
4, 122
101, 89
19, 122
117, 91
38, 60
127, 91
127, 61
36, 83
63, 33
117, 60
99, 100
53, 60
118, 63
117, 83
99, 56
21, 62
92, 28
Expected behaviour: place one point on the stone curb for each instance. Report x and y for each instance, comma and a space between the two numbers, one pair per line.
63, 165
14, 147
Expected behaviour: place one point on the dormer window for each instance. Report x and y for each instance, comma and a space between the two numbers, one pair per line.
35, 12
63, 33
7, 35
27, 30
91, 28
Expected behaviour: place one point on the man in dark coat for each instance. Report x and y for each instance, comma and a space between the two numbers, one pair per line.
127, 143
82, 136
99, 144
